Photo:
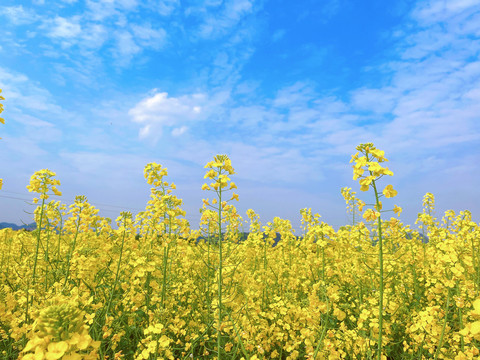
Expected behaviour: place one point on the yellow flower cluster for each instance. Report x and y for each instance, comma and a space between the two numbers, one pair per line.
375, 170
60, 333
42, 182
77, 288
220, 169
2, 120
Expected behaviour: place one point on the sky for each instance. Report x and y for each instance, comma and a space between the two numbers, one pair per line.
96, 89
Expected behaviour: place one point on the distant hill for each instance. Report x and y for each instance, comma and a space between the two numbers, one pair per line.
31, 226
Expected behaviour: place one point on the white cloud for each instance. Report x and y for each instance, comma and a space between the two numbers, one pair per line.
166, 7
298, 94
101, 10
17, 15
376, 100
94, 35
441, 10
149, 37
179, 131
126, 46
218, 24
145, 131
60, 27
434, 82
25, 94
165, 110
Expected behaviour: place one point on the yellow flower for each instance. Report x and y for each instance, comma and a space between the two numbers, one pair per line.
366, 181
360, 204
371, 215
386, 171
389, 191
210, 174
73, 356
81, 340
56, 350
33, 344
393, 222
1, 109
475, 328
340, 315
397, 210
354, 157
374, 167
379, 154
234, 196
357, 172
164, 341
364, 188
476, 308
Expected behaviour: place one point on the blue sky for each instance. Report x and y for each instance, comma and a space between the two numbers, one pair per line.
96, 89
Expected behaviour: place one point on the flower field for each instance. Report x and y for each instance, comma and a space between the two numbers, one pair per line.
152, 288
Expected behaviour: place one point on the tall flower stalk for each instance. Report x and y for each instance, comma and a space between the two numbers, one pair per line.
220, 170
161, 221
43, 183
369, 164
125, 226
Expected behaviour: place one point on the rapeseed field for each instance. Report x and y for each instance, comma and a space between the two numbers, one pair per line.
153, 288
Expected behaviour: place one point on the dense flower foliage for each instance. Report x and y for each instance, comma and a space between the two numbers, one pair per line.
152, 288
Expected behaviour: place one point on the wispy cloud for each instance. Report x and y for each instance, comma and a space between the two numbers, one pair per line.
17, 15
219, 18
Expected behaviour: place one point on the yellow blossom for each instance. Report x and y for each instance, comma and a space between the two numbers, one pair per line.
389, 192
56, 350
370, 215
397, 210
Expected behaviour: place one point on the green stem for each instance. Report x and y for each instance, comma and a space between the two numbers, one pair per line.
47, 258
322, 336
70, 253
380, 277
116, 275
440, 342
460, 318
220, 262
39, 231
475, 266
265, 288
165, 264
